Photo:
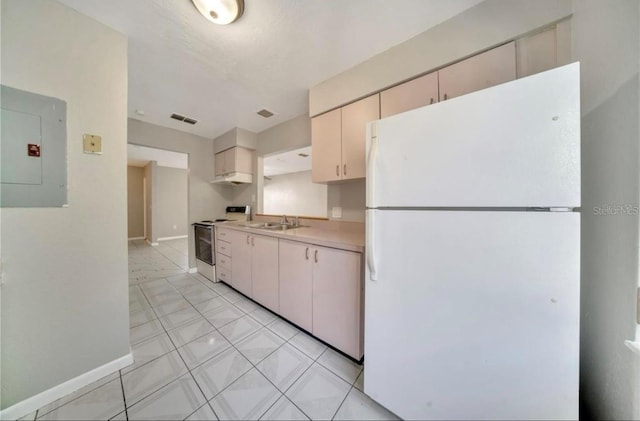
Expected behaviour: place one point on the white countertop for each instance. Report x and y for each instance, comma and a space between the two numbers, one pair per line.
351, 239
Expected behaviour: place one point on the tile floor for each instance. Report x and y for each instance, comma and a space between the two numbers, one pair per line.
204, 352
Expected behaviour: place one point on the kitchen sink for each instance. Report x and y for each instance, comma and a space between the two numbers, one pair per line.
274, 226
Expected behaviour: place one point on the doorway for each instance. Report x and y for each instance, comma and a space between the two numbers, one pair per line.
157, 193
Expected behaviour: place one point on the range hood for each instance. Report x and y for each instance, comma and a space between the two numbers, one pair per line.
234, 178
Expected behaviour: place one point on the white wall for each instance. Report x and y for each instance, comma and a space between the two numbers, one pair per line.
606, 42
65, 292
351, 197
206, 200
172, 202
294, 194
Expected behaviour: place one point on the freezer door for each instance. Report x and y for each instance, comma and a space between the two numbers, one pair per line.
512, 145
473, 315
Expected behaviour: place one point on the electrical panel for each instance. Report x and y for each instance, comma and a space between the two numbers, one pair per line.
33, 149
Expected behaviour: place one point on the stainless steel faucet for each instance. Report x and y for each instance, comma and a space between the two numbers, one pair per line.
283, 220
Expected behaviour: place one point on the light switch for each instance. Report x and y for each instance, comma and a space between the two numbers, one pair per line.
336, 212
92, 143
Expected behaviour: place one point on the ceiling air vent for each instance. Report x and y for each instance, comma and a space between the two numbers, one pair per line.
183, 118
265, 113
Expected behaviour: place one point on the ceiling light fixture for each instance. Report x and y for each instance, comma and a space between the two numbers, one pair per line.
222, 12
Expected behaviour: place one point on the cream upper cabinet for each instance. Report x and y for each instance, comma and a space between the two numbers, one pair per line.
338, 141
355, 117
337, 299
484, 70
407, 96
264, 271
236, 159
326, 144
536, 53
296, 283
219, 163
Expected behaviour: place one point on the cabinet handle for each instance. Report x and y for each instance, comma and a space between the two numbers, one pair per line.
445, 97
247, 239
432, 101
345, 169
252, 242
316, 256
337, 169
306, 254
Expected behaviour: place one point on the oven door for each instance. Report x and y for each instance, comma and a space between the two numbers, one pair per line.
205, 248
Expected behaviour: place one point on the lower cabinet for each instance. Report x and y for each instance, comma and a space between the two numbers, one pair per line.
296, 283
321, 291
337, 295
264, 271
241, 262
317, 288
254, 267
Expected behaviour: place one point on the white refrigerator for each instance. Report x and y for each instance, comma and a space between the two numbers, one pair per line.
473, 254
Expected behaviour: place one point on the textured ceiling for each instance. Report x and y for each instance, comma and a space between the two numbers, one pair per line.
222, 75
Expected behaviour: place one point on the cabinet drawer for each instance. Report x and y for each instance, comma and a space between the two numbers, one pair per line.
222, 234
223, 261
223, 274
223, 247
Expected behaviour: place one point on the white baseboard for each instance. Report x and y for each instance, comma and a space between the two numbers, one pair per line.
151, 244
177, 237
36, 402
135, 238
193, 270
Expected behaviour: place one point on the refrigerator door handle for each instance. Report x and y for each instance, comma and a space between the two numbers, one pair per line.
370, 252
371, 163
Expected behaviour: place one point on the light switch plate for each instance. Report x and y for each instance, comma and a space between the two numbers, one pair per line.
336, 212
92, 143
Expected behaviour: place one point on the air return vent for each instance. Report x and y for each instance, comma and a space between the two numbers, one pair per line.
265, 113
184, 119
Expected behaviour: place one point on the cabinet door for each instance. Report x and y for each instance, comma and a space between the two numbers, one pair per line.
230, 160
354, 125
264, 271
223, 234
326, 158
415, 93
219, 163
536, 53
478, 72
241, 262
337, 290
244, 160
296, 283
